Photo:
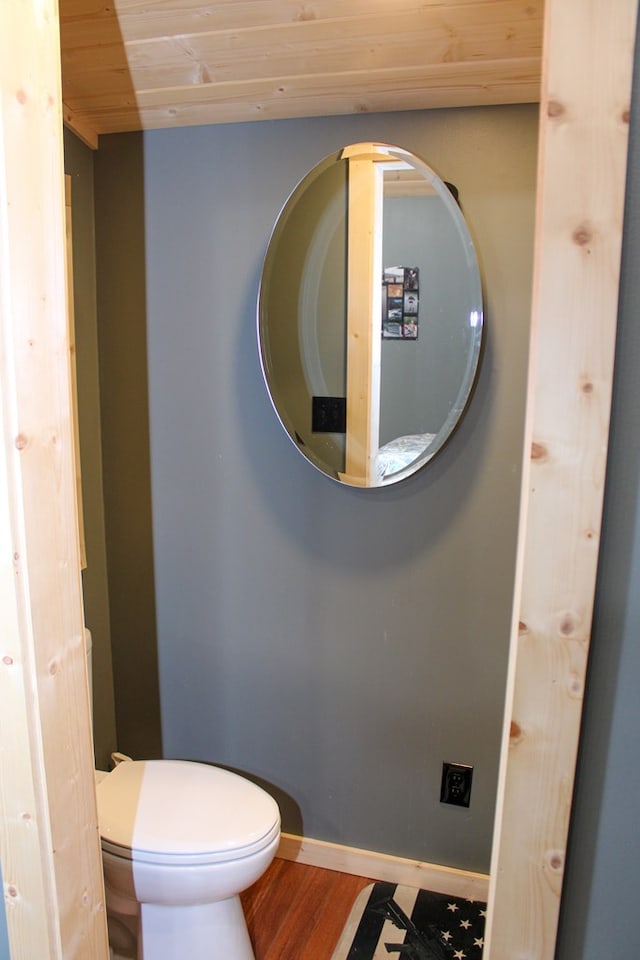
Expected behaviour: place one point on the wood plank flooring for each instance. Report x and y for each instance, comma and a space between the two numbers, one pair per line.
297, 912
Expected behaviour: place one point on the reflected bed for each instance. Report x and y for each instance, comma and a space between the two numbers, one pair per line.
401, 452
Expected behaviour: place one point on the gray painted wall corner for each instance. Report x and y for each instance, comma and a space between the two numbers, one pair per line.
79, 161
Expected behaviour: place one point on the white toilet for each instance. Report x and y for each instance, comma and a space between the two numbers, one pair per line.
180, 842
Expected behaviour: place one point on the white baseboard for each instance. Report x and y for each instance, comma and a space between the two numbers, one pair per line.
381, 866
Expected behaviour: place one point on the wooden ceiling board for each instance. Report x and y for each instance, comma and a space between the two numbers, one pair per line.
147, 19
323, 46
143, 64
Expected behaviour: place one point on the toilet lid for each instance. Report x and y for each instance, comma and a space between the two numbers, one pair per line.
183, 810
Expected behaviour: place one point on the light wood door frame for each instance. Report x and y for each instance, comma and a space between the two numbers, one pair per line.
49, 843
582, 159
48, 839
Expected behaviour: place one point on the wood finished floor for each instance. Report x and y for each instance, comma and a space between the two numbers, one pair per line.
297, 912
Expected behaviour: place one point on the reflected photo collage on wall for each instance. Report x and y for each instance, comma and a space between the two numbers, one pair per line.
400, 297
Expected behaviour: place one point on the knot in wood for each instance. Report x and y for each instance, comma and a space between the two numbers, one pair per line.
555, 860
21, 441
575, 686
555, 109
523, 629
587, 385
582, 235
21, 96
8, 661
567, 625
539, 452
515, 732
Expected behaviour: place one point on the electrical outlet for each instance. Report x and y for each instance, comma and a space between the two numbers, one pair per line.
456, 784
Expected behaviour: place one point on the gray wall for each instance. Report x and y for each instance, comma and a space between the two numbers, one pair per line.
79, 165
421, 380
120, 278
600, 901
337, 644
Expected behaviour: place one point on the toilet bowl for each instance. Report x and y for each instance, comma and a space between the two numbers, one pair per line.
180, 842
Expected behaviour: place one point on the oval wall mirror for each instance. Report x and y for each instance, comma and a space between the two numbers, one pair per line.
370, 315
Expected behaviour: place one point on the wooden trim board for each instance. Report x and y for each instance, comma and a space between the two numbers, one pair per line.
587, 70
380, 866
82, 130
49, 844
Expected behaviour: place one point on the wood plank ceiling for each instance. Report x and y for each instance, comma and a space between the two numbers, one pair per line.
144, 64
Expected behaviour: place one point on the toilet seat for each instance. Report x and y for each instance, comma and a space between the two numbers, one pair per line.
180, 813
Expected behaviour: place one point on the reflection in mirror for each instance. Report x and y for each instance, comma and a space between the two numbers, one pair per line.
370, 315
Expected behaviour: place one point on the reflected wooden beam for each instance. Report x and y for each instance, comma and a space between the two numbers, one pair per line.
364, 278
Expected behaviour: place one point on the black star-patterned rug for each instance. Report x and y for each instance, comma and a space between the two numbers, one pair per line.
392, 920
